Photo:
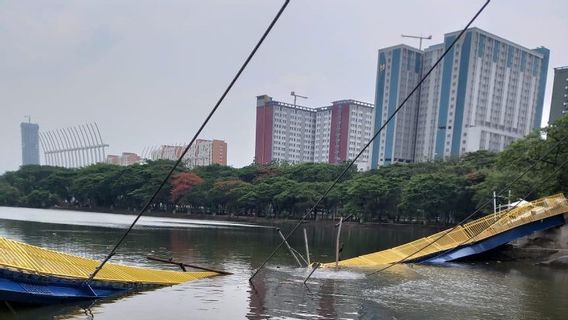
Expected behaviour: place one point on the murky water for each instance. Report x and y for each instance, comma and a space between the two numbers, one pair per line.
458, 291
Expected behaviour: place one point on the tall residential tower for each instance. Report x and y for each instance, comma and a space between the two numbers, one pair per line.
486, 93
296, 134
398, 71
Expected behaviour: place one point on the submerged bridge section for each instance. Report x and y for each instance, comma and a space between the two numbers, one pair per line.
24, 258
473, 237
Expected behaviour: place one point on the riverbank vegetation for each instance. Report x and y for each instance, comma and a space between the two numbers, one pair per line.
432, 192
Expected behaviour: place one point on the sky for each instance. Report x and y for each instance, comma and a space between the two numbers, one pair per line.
148, 72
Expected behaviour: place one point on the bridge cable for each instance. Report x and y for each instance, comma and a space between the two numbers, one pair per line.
477, 210
352, 162
213, 110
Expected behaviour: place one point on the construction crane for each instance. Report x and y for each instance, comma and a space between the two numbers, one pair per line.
296, 96
417, 37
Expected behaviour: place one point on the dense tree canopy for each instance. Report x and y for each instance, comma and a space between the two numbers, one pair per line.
434, 192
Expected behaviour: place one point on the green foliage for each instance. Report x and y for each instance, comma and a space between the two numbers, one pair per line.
435, 192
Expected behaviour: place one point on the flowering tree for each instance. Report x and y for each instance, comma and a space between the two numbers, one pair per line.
181, 183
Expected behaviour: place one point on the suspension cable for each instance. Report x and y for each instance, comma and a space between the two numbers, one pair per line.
213, 110
477, 210
352, 162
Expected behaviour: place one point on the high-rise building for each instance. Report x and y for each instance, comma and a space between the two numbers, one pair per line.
30, 143
342, 130
296, 134
201, 153
206, 152
559, 102
486, 93
284, 132
428, 106
398, 71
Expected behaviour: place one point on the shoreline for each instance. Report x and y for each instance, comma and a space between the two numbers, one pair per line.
264, 221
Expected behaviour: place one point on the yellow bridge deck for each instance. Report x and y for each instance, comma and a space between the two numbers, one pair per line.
22, 257
468, 233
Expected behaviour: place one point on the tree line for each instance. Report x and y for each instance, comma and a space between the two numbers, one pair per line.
430, 192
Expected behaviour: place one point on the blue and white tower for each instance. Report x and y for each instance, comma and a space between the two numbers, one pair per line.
486, 93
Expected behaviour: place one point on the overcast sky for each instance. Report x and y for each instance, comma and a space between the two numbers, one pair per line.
149, 71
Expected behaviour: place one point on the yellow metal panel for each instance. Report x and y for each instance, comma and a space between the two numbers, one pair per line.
35, 260
470, 232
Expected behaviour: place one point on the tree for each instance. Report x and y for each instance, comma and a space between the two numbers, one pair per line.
436, 197
9, 195
181, 183
369, 196
41, 199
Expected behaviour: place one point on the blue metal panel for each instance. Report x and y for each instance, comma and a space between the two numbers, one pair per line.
495, 241
33, 289
393, 103
541, 85
481, 46
444, 97
460, 101
379, 97
496, 46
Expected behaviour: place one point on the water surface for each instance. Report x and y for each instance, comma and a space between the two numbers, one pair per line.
458, 291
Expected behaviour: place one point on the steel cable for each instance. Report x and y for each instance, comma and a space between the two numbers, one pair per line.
312, 210
213, 110
472, 214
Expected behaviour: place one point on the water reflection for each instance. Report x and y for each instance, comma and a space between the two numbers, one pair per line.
475, 291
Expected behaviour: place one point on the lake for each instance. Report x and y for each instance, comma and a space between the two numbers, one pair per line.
494, 290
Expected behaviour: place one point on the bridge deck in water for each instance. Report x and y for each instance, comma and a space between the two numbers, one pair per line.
469, 233
17, 256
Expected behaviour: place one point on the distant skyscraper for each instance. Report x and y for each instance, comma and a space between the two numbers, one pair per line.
296, 134
559, 103
30, 143
486, 93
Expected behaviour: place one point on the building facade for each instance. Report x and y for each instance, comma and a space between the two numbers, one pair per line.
30, 143
486, 93
201, 153
398, 70
559, 102
297, 134
125, 159
284, 132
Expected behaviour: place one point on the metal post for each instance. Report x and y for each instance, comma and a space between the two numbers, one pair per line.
288, 246
494, 205
307, 248
337, 243
316, 266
